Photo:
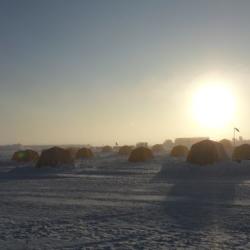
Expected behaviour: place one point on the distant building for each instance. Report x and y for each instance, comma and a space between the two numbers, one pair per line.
189, 141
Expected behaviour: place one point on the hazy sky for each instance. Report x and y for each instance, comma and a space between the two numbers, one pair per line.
105, 71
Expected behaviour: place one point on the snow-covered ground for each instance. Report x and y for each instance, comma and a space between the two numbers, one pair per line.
108, 203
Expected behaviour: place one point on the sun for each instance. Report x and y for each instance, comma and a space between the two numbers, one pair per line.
213, 105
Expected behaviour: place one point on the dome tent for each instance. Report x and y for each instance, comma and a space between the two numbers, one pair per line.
140, 154
55, 157
241, 152
179, 151
25, 156
84, 153
206, 152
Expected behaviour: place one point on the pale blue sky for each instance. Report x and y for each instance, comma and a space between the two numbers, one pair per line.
104, 71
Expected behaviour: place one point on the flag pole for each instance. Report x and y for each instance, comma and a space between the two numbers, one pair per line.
235, 129
234, 137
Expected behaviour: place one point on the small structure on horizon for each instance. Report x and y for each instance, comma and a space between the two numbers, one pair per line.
168, 144
141, 144
158, 148
125, 150
107, 149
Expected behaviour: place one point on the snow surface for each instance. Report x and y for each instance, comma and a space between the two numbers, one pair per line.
109, 203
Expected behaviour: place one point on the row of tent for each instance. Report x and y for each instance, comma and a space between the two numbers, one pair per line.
208, 152
202, 153
56, 156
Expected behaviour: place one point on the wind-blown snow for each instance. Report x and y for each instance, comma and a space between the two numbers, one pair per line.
109, 203
180, 169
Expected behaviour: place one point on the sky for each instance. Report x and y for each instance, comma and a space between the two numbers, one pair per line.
100, 72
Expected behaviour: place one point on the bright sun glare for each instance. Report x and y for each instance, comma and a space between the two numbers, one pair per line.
213, 105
